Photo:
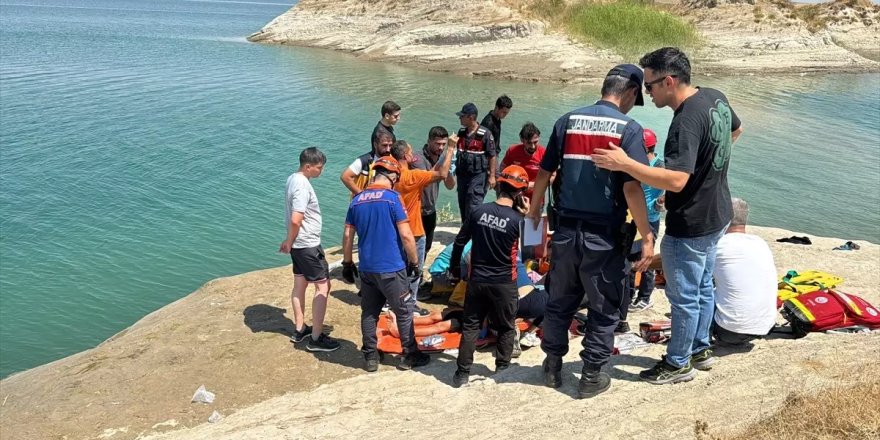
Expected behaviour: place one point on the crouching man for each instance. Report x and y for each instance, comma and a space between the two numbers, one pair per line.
745, 284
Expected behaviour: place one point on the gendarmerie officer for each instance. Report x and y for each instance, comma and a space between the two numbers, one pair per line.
590, 238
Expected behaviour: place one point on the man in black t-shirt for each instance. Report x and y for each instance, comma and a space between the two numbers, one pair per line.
492, 121
494, 228
697, 155
390, 118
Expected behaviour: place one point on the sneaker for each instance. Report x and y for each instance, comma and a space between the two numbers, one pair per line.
552, 371
593, 383
371, 365
323, 343
663, 373
703, 360
460, 378
385, 308
414, 360
622, 327
502, 367
641, 305
530, 339
423, 312
299, 336
517, 349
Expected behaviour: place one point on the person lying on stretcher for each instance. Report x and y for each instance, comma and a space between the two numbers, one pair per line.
449, 320
530, 308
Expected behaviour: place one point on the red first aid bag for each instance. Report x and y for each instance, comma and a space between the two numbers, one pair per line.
827, 310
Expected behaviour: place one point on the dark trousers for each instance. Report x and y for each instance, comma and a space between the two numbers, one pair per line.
498, 303
586, 261
724, 337
471, 192
376, 289
646, 284
430, 223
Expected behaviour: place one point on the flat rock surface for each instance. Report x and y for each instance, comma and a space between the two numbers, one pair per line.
232, 336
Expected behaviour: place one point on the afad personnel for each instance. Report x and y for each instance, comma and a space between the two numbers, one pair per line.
388, 261
494, 228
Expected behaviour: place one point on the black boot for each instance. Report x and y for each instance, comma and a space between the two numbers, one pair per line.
593, 382
460, 378
552, 371
413, 360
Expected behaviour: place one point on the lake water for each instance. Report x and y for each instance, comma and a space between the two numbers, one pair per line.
144, 148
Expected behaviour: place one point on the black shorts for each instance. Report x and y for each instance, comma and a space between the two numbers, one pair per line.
310, 263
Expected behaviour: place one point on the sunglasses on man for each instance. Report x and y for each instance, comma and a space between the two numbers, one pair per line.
650, 84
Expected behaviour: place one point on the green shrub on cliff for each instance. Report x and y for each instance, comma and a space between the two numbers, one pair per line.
628, 27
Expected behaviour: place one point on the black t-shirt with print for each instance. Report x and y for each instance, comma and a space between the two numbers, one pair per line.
699, 144
494, 230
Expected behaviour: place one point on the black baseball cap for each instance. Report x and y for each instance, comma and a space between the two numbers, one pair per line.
467, 109
634, 74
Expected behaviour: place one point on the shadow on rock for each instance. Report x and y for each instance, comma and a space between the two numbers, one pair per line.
347, 355
266, 318
346, 296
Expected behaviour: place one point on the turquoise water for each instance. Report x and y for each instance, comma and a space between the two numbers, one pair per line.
144, 148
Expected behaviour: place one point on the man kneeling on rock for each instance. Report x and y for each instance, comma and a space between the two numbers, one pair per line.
388, 261
745, 284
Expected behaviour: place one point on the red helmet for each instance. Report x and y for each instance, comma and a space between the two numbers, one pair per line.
650, 139
515, 176
387, 163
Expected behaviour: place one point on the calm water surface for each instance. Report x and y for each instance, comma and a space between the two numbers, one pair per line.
144, 148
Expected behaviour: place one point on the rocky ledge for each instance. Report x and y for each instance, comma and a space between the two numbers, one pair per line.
500, 38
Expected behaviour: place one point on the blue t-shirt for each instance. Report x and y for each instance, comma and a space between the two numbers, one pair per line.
652, 194
374, 213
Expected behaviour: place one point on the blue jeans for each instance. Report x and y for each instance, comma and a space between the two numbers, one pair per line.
688, 264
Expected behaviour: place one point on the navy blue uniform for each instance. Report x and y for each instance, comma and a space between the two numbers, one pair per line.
471, 168
590, 212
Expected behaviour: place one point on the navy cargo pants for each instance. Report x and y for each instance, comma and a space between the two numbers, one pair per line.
586, 261
471, 192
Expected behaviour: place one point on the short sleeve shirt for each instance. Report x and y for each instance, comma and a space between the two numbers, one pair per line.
430, 193
410, 186
494, 230
581, 189
301, 198
745, 284
517, 155
699, 143
375, 213
382, 128
494, 126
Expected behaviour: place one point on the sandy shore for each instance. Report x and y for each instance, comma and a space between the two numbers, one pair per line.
232, 336
504, 40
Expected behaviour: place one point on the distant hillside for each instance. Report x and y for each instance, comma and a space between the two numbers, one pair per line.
535, 39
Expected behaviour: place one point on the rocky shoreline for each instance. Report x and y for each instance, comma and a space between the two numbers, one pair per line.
231, 335
503, 41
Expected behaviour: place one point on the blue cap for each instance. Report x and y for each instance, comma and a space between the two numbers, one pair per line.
634, 74
467, 109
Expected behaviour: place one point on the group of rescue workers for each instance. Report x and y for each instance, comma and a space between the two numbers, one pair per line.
596, 162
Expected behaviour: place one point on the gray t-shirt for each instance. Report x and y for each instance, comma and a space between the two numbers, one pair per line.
429, 194
301, 198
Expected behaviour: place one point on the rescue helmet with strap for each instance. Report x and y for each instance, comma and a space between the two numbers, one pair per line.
515, 176
387, 163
